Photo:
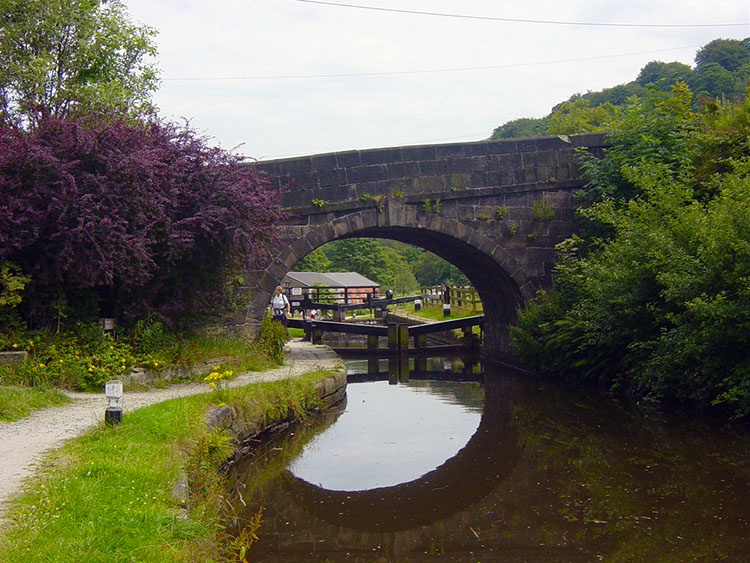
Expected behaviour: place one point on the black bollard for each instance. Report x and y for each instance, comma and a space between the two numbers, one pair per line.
113, 415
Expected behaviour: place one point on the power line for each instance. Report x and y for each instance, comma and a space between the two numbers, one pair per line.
422, 71
520, 20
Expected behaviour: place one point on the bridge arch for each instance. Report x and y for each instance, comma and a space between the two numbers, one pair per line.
494, 209
492, 270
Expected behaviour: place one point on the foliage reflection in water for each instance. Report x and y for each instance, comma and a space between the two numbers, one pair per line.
548, 474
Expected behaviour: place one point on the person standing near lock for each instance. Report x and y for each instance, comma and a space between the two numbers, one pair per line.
279, 306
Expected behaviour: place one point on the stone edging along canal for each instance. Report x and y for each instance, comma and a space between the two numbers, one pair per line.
330, 390
24, 442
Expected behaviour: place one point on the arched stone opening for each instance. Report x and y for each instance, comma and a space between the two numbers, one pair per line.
497, 277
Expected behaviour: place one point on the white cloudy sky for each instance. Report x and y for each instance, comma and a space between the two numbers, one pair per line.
248, 72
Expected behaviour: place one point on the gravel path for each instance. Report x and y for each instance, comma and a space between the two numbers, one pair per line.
23, 443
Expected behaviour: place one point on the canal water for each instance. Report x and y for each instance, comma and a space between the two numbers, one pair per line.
459, 462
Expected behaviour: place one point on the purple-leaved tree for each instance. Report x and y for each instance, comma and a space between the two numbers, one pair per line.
133, 218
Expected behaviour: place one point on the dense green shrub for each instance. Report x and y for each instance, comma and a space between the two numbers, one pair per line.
80, 360
661, 308
271, 338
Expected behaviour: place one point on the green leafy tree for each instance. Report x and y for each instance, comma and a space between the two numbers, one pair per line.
616, 95
383, 261
12, 282
713, 80
661, 308
664, 75
577, 116
655, 129
433, 270
730, 54
366, 256
404, 281
67, 56
316, 261
398, 275
523, 127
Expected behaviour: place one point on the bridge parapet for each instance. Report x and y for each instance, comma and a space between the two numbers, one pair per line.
445, 172
495, 209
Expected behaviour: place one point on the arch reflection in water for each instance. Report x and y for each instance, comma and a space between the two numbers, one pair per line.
391, 434
549, 475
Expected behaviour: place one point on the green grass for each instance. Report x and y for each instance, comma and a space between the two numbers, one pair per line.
107, 495
435, 312
240, 352
296, 332
17, 402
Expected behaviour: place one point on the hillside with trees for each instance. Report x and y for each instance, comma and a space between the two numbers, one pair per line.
722, 71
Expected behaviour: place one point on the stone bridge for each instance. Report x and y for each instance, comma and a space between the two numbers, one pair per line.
495, 209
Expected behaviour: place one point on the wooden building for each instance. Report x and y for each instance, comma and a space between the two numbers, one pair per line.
330, 287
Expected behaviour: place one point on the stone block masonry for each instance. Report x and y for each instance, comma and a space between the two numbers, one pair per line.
495, 209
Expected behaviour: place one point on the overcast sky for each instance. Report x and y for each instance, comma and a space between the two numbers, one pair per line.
277, 78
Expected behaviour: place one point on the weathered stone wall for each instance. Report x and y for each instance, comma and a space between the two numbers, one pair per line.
494, 209
330, 390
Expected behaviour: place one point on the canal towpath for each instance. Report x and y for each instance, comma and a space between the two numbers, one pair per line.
24, 442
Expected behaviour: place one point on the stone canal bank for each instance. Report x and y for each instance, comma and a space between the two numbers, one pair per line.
23, 443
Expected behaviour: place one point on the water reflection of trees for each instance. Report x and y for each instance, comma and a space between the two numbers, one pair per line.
567, 477
635, 483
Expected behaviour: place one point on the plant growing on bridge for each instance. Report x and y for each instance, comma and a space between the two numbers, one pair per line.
541, 210
317, 202
378, 199
431, 206
484, 214
500, 212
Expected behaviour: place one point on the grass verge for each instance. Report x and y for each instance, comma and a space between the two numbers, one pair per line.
435, 312
296, 333
17, 402
108, 494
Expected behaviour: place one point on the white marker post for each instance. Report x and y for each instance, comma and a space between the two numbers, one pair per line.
113, 392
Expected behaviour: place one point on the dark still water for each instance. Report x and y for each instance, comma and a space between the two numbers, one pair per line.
502, 468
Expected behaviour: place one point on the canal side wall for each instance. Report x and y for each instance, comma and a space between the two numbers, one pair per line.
330, 390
